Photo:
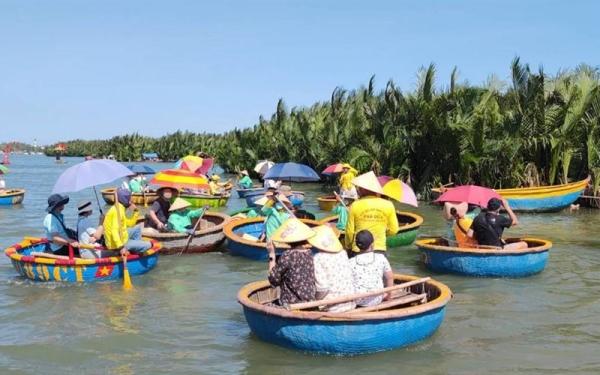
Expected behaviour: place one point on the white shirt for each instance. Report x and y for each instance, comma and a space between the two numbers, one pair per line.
2, 184
334, 276
367, 272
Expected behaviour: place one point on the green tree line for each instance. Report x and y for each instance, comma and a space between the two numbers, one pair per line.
535, 129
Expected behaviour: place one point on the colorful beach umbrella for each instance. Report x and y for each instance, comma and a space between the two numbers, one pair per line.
141, 169
89, 174
292, 172
191, 159
263, 166
3, 169
472, 194
180, 179
398, 190
195, 164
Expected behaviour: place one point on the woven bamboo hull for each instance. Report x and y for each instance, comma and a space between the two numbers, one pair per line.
136, 198
78, 270
372, 332
213, 201
439, 257
12, 197
327, 203
204, 240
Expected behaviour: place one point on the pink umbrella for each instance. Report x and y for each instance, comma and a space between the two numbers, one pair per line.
398, 190
333, 169
472, 194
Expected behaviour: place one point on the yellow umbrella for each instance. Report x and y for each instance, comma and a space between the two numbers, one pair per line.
180, 179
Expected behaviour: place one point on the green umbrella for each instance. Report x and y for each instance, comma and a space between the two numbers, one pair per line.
3, 169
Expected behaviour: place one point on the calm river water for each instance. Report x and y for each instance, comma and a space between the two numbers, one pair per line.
183, 318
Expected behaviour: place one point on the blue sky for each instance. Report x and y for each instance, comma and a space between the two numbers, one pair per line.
94, 69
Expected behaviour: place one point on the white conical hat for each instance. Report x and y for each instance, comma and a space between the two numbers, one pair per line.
368, 181
179, 203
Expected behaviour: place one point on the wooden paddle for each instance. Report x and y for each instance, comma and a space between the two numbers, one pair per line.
194, 230
127, 285
340, 199
355, 296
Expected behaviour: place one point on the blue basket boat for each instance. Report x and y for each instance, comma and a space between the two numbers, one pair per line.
485, 262
350, 333
249, 247
11, 197
252, 197
243, 192
40, 268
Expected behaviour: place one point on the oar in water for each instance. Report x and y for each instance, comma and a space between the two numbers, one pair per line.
340, 199
189, 240
127, 285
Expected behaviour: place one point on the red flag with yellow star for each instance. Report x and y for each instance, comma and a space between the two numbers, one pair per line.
104, 270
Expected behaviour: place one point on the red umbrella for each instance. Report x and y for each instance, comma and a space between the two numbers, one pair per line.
333, 169
472, 194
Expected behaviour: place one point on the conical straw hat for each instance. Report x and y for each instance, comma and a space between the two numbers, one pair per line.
179, 203
325, 239
368, 181
292, 230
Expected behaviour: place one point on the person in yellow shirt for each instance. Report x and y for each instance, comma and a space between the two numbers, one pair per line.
370, 212
216, 187
346, 187
121, 232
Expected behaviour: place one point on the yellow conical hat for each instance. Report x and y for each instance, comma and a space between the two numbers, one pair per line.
292, 230
179, 203
368, 181
325, 239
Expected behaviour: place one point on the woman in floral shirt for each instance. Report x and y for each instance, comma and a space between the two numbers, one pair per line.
294, 273
332, 269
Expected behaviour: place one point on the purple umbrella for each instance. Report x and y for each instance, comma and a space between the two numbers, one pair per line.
89, 174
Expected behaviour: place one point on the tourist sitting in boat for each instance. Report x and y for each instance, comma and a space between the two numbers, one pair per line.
369, 270
158, 215
271, 184
216, 188
122, 232
245, 181
275, 213
137, 184
460, 229
488, 226
346, 187
88, 233
58, 235
333, 275
180, 218
370, 212
294, 272
464, 211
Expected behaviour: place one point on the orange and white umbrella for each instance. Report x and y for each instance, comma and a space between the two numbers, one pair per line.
180, 179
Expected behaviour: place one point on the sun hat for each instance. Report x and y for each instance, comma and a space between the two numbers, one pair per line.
325, 239
368, 181
179, 204
244, 172
292, 230
56, 200
215, 177
124, 196
83, 207
163, 188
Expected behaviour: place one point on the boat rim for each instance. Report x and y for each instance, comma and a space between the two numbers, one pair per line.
436, 303
176, 236
13, 253
427, 243
229, 227
12, 192
538, 189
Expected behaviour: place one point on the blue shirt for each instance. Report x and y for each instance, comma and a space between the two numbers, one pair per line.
53, 227
83, 224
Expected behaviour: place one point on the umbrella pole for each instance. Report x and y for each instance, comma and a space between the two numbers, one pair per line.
98, 201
